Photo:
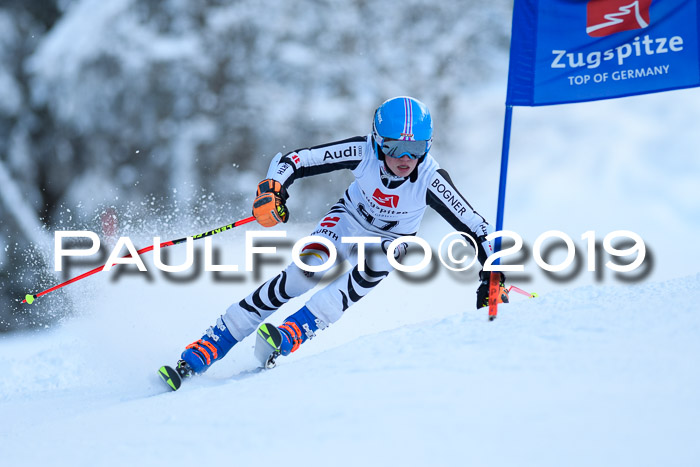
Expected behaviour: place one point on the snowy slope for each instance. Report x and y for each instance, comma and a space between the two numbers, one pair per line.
592, 375
598, 375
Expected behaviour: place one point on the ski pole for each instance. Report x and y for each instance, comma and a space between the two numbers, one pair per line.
494, 282
29, 298
493, 295
522, 292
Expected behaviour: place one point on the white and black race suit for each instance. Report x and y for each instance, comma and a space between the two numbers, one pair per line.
376, 204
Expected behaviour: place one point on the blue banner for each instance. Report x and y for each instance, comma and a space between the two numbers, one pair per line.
581, 50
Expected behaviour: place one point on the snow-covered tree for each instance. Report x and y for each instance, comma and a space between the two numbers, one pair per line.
113, 102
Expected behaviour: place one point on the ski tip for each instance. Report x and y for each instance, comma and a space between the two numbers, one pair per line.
170, 376
271, 335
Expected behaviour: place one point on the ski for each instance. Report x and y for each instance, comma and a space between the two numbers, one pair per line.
171, 377
267, 349
267, 345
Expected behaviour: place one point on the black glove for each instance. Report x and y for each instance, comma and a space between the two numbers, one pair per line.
482, 293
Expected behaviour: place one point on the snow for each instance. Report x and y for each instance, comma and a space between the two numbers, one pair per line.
10, 96
593, 372
595, 375
18, 206
10, 100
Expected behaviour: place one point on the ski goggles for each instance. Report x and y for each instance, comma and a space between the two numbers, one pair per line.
399, 148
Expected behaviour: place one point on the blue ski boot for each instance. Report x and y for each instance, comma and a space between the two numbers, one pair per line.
274, 341
296, 329
213, 346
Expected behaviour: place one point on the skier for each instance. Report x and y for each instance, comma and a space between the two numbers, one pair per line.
396, 178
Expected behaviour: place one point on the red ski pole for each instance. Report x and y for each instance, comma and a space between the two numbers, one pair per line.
29, 298
522, 292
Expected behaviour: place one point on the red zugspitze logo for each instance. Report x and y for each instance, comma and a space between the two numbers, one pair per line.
606, 17
388, 201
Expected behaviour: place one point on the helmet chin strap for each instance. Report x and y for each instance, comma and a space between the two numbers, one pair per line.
391, 180
390, 173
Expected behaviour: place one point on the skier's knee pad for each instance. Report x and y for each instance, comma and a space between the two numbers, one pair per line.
314, 254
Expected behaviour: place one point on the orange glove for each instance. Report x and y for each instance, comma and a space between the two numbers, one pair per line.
269, 208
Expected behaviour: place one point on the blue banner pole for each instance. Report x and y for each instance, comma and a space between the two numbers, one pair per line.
504, 174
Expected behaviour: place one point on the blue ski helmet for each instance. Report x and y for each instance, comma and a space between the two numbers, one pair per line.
402, 119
